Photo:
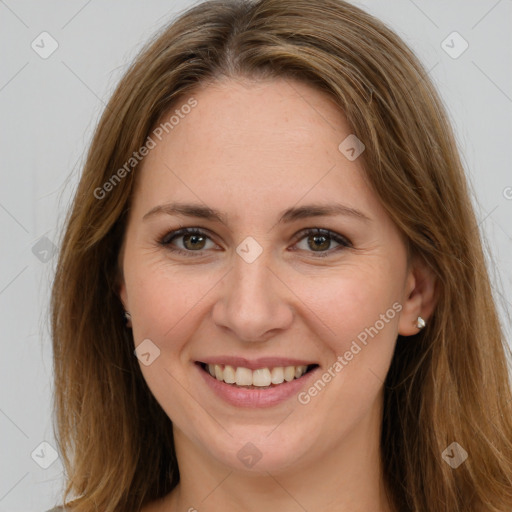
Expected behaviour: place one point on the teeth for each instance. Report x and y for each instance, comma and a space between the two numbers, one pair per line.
243, 377
229, 374
277, 375
298, 371
262, 377
289, 373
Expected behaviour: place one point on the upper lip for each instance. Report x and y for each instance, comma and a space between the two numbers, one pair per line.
254, 364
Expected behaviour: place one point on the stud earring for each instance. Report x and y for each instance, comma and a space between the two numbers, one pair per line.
127, 318
420, 323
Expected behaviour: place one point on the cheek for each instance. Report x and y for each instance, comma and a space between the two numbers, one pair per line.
168, 302
165, 300
354, 303
361, 309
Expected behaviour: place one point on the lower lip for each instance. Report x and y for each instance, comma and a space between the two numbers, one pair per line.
251, 397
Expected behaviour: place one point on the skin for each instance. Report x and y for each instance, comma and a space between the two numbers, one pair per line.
276, 144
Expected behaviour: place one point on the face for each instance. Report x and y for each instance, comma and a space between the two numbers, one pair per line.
267, 286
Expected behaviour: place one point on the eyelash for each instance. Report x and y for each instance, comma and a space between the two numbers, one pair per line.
172, 235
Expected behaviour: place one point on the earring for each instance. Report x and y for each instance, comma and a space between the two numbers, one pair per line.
420, 323
127, 318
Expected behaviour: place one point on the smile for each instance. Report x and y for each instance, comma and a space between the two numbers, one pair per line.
263, 385
258, 378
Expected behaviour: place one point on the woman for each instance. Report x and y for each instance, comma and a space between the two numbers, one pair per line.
271, 292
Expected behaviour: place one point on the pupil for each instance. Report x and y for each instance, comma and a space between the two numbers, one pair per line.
194, 239
321, 237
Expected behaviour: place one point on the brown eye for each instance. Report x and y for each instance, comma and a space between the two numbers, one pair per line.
320, 240
193, 240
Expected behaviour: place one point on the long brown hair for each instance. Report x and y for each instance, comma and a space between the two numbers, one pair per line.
447, 384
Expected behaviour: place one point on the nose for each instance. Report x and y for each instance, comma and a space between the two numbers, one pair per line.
253, 303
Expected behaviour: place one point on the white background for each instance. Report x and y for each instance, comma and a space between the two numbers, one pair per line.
49, 108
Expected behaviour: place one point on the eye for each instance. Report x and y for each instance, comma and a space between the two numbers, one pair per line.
317, 239
193, 240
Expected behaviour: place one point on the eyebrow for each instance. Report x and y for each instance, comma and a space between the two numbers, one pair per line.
287, 216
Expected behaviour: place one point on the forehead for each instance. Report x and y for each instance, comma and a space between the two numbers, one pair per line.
252, 143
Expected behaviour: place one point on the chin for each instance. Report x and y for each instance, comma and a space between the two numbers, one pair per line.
262, 450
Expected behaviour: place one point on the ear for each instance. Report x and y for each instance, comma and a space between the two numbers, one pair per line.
120, 286
121, 292
420, 297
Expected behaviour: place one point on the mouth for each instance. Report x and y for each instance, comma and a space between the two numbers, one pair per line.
267, 377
